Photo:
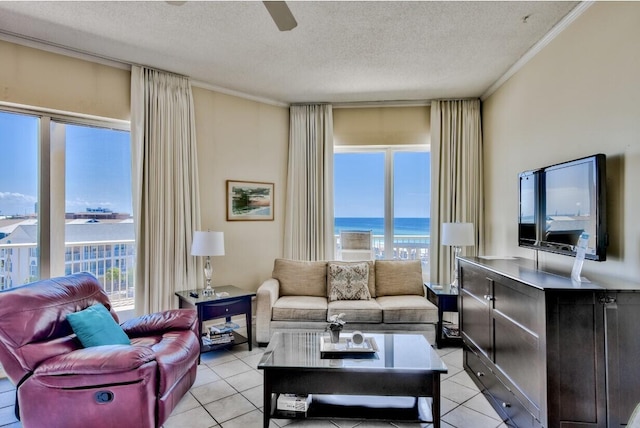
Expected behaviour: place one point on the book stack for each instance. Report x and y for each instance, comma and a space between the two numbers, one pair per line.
221, 334
451, 330
293, 405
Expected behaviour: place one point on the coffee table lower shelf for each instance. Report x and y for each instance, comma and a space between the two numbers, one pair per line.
405, 409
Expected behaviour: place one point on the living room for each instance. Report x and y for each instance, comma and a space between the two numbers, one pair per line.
577, 96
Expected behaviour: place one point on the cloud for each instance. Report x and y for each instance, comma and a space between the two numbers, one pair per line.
17, 197
81, 204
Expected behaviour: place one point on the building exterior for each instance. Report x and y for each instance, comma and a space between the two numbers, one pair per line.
104, 248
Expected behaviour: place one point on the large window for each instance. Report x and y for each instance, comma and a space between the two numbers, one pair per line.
19, 142
385, 190
65, 201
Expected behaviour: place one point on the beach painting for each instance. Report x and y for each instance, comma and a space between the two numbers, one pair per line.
248, 200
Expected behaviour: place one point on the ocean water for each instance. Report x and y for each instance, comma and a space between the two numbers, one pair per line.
402, 226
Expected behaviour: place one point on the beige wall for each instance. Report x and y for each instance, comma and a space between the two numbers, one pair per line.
381, 126
580, 95
248, 141
237, 139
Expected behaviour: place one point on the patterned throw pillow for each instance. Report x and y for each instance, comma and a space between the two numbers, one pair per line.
348, 281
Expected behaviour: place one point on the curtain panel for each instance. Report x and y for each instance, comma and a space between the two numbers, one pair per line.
456, 179
165, 186
309, 203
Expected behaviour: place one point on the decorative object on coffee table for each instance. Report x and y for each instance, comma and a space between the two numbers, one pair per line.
335, 326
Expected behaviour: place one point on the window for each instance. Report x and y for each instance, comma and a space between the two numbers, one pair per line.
19, 138
68, 181
385, 190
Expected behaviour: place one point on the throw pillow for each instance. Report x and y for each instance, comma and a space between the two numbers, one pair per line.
95, 326
348, 281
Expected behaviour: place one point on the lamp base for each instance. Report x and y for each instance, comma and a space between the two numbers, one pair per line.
208, 270
456, 253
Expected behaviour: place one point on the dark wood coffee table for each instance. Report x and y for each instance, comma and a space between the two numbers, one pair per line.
405, 365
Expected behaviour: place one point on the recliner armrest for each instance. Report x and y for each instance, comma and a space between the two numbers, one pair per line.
160, 322
97, 360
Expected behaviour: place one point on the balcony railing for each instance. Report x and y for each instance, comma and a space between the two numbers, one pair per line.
405, 247
111, 262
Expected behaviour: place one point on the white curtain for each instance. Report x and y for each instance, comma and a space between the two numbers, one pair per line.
165, 186
456, 179
309, 203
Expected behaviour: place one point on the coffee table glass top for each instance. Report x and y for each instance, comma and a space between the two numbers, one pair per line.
395, 352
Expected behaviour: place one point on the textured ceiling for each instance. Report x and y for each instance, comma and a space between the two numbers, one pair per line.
339, 52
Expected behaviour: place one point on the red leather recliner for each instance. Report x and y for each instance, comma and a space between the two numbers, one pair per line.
61, 384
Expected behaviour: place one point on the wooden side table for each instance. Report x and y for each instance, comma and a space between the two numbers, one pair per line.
446, 299
226, 302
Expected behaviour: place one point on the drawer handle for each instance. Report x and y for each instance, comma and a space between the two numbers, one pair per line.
506, 405
488, 297
480, 374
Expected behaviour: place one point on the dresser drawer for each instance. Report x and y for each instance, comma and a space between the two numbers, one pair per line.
503, 400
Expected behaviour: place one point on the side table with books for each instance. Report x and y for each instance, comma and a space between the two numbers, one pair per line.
445, 298
223, 303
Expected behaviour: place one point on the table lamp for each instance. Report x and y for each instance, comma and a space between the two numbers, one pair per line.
457, 235
208, 244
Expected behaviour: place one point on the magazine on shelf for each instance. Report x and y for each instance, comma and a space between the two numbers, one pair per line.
223, 328
218, 339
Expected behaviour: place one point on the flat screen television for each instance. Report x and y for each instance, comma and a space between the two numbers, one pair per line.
560, 202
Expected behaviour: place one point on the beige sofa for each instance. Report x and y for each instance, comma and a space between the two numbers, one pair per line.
304, 295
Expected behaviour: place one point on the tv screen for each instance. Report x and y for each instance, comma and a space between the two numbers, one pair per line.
560, 202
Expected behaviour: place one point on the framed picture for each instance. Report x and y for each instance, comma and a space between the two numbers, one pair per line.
249, 200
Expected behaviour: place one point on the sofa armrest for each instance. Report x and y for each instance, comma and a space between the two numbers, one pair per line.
266, 296
269, 291
97, 360
160, 322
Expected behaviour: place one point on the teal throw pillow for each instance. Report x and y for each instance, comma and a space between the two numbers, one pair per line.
95, 326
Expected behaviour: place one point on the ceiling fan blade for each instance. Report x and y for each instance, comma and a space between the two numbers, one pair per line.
281, 15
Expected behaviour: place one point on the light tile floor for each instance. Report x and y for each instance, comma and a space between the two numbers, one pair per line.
228, 394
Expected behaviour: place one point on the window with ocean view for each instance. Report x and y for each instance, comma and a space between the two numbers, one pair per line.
387, 191
81, 218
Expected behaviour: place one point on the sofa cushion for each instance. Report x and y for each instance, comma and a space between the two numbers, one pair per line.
398, 278
356, 311
301, 278
300, 308
371, 283
407, 309
348, 282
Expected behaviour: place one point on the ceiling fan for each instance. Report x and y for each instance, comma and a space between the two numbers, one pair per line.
278, 10
281, 15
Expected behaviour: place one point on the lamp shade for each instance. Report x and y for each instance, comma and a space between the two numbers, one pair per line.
208, 244
457, 234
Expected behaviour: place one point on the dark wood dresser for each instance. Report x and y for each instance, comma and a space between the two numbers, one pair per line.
546, 351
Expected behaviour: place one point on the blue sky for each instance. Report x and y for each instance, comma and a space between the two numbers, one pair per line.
98, 167
359, 184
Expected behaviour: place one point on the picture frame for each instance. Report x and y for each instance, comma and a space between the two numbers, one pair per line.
250, 201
